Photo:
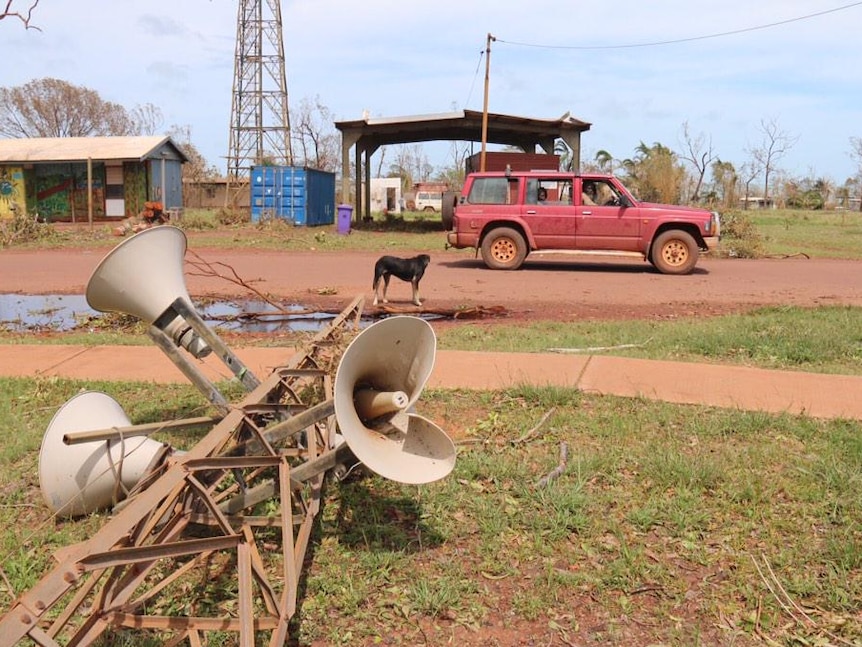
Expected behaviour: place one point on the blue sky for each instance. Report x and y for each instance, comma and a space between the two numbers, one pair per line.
397, 58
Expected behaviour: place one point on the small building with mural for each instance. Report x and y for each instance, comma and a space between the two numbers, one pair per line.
72, 179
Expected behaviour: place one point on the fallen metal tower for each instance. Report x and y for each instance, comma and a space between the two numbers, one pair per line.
260, 121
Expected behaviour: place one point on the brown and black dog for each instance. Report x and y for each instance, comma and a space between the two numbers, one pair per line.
406, 269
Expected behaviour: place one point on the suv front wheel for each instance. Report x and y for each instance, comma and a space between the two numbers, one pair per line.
504, 248
674, 252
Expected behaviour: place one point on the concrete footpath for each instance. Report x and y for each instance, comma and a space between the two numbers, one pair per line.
816, 395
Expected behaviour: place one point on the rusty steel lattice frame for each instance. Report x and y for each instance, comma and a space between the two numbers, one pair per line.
260, 119
212, 516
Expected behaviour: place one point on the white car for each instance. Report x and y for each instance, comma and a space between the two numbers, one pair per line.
429, 201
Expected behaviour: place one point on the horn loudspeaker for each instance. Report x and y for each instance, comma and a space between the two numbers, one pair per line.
379, 379
80, 478
143, 276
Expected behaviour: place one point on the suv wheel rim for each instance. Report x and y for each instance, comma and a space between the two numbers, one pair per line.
503, 250
675, 253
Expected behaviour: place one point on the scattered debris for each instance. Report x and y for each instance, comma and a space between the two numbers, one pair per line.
784, 256
801, 617
152, 215
475, 312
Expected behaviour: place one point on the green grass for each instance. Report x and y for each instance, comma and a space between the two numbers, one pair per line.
672, 521
819, 234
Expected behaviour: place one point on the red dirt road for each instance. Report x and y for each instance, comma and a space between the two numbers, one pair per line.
548, 287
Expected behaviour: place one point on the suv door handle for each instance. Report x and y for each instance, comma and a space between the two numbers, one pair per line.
587, 212
531, 211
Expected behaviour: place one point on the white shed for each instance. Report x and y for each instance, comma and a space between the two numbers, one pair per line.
386, 195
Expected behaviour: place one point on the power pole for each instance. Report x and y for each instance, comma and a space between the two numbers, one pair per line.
485, 106
259, 121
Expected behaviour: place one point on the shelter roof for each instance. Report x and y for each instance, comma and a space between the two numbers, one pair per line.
69, 149
463, 125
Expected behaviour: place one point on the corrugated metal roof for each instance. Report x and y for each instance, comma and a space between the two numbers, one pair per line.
68, 149
464, 115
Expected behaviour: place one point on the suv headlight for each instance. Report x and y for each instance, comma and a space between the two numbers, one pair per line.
714, 225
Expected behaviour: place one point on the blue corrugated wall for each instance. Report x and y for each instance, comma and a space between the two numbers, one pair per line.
302, 196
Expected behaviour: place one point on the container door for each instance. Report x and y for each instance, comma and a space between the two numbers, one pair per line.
320, 197
294, 195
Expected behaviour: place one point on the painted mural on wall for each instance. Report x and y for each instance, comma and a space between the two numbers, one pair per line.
61, 191
134, 188
12, 195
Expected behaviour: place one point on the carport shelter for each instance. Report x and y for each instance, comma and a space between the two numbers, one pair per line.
79, 178
369, 134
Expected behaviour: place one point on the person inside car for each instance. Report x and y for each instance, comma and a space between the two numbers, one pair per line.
588, 193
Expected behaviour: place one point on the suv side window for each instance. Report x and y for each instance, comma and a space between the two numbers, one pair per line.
493, 190
550, 192
599, 193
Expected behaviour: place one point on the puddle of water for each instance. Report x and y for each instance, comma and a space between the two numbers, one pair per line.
64, 312
22, 312
227, 315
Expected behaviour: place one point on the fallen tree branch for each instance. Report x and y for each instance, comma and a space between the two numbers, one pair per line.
598, 349
796, 255
476, 312
559, 469
799, 615
532, 431
207, 269
296, 313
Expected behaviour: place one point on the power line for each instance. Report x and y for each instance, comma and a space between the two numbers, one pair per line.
686, 40
475, 76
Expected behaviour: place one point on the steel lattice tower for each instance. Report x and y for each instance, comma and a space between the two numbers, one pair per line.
259, 121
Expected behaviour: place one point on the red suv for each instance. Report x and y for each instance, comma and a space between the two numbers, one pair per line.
509, 214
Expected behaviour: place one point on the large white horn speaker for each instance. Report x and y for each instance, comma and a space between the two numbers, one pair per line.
378, 380
143, 276
81, 478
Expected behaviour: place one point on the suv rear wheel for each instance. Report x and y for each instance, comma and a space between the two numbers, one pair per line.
674, 252
504, 248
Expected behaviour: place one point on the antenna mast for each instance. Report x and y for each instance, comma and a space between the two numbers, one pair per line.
259, 121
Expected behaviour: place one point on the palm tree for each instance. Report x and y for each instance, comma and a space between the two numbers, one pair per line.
605, 161
825, 187
567, 160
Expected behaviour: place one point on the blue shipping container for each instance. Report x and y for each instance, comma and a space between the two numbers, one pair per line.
302, 196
